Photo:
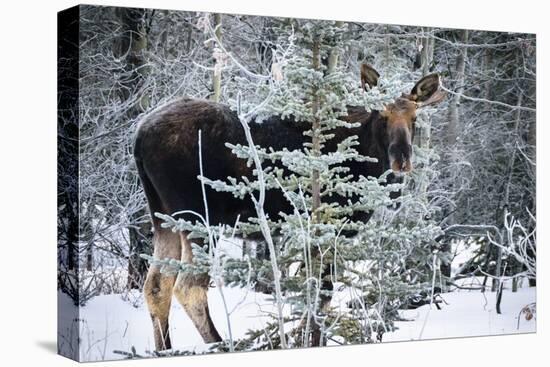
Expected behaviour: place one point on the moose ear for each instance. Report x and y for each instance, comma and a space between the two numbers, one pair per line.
425, 87
369, 76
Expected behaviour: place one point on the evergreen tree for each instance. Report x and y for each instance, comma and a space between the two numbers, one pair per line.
324, 240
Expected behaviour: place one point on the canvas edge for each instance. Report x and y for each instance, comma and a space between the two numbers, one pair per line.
68, 203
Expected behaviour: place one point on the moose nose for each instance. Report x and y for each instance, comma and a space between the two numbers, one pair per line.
400, 157
401, 152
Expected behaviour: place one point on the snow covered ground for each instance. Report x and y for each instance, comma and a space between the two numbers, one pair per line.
108, 323
467, 314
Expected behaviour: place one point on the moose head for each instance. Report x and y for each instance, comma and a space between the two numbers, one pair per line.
397, 120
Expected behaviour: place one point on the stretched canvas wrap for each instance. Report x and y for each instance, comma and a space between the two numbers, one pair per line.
239, 183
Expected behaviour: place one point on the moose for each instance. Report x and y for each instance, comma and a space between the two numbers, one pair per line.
166, 152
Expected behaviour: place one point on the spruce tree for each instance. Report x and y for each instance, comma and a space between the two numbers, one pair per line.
322, 246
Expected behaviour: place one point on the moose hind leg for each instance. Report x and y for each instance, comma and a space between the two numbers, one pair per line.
191, 291
158, 288
158, 295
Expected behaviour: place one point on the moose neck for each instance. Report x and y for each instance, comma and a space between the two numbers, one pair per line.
374, 143
286, 133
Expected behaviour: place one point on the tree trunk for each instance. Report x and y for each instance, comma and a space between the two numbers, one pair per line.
72, 234
506, 199
333, 56
499, 299
90, 257
316, 337
131, 45
487, 61
316, 130
422, 139
217, 78
427, 53
387, 46
532, 141
453, 127
189, 38
139, 244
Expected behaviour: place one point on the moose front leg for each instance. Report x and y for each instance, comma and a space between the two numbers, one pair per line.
191, 292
